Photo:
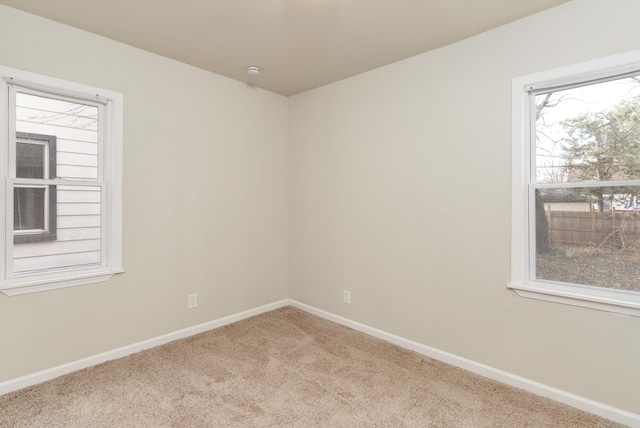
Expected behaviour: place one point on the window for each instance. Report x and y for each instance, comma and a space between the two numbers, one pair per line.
576, 177
35, 206
61, 162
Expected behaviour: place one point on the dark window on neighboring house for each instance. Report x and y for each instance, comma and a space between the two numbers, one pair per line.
35, 206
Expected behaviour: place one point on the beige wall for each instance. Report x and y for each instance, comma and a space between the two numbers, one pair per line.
399, 190
204, 201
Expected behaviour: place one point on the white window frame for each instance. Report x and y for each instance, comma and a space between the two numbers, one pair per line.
110, 153
523, 280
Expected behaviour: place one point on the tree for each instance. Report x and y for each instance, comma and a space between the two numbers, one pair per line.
542, 225
603, 146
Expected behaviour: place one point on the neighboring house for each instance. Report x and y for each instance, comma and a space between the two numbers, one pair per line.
564, 200
632, 204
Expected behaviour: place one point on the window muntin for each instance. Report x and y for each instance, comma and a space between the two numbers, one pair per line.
69, 182
576, 177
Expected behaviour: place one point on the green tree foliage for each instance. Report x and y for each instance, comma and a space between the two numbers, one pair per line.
604, 146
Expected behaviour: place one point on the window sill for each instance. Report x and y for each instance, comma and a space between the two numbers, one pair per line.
37, 285
616, 301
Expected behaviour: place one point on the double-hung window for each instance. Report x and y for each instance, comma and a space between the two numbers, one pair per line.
575, 185
61, 168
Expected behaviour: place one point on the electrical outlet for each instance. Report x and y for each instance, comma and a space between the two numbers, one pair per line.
347, 296
192, 301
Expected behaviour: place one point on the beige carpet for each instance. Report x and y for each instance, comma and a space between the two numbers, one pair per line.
285, 368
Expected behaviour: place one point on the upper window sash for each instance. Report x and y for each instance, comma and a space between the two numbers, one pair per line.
103, 117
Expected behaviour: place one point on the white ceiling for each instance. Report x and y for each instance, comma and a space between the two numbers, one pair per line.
298, 44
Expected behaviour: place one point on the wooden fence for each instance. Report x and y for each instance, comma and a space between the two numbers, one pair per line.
620, 228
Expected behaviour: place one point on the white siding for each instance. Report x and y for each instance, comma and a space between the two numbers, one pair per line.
71, 158
56, 261
76, 147
80, 135
78, 221
568, 206
61, 247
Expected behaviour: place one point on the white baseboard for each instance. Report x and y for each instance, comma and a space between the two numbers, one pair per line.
48, 374
591, 406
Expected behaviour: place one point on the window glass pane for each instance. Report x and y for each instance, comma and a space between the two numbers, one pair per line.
29, 208
589, 236
78, 241
30, 160
588, 133
75, 126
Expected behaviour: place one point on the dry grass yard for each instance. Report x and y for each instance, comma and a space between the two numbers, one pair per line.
610, 268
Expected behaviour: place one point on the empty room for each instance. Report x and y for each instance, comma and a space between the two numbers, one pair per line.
305, 213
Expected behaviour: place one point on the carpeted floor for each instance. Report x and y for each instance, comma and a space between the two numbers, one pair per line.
285, 368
